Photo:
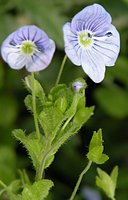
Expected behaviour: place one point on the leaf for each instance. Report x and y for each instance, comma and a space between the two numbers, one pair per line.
57, 91
28, 102
38, 191
24, 177
96, 155
31, 83
96, 139
12, 189
15, 186
72, 109
70, 130
34, 146
61, 104
107, 183
50, 119
61, 91
96, 148
83, 114
114, 174
49, 159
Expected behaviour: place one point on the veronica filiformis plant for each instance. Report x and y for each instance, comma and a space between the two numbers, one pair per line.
91, 41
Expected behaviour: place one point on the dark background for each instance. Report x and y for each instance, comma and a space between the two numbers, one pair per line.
109, 97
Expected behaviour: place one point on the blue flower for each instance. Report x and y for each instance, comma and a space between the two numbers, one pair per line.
91, 41
28, 46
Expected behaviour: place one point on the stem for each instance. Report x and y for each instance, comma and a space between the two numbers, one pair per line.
79, 180
34, 108
2, 184
40, 171
66, 123
61, 70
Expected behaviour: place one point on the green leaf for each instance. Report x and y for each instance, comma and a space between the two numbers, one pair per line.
103, 158
29, 105
96, 139
83, 114
15, 186
72, 109
61, 91
61, 104
96, 155
57, 92
38, 191
70, 130
114, 174
24, 177
12, 189
34, 146
107, 183
49, 159
28, 102
31, 83
51, 119
96, 148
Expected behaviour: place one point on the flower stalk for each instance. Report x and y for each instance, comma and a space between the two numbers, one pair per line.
61, 70
80, 179
34, 108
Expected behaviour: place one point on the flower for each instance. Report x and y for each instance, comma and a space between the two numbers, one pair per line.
91, 41
79, 84
28, 46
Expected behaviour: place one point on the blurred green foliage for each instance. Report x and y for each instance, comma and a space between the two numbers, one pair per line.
110, 97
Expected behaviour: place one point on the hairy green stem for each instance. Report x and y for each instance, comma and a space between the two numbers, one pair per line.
34, 108
61, 70
79, 180
40, 171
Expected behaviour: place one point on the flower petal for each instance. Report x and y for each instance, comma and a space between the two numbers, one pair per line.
32, 33
41, 60
11, 54
72, 47
5, 47
16, 60
108, 47
93, 65
91, 18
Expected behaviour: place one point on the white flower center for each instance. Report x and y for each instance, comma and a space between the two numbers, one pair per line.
28, 47
85, 39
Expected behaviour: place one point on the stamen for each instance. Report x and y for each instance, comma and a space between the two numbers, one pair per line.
28, 47
85, 39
